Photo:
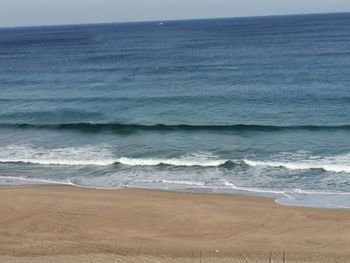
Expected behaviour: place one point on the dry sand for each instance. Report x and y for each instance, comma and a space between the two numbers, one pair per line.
67, 224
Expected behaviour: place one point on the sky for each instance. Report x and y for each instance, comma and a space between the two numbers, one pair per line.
55, 12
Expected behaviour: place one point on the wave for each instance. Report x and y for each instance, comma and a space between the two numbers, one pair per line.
59, 162
182, 161
327, 164
101, 155
323, 165
130, 128
124, 161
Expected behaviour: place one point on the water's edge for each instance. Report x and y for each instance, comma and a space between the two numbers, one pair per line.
279, 198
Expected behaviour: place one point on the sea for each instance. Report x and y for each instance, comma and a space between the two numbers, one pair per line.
257, 106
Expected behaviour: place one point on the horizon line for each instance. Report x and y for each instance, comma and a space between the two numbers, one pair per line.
168, 20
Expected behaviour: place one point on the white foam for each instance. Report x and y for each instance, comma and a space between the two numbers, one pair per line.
96, 155
122, 160
35, 180
300, 197
254, 190
315, 192
336, 164
181, 182
59, 162
86, 155
174, 161
195, 159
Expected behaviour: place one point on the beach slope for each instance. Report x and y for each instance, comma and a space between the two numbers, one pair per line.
68, 224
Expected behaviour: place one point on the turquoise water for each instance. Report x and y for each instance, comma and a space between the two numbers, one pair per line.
249, 105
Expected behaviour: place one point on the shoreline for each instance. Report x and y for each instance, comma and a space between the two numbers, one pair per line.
49, 222
280, 197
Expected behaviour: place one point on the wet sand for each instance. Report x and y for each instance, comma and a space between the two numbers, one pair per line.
68, 224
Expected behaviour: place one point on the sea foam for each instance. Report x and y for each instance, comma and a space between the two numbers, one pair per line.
338, 164
205, 160
84, 155
101, 155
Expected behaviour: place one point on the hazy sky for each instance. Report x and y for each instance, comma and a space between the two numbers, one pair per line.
49, 12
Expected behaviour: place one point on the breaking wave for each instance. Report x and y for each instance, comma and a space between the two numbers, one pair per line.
102, 156
337, 164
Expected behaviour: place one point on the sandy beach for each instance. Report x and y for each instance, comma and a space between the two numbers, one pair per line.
68, 224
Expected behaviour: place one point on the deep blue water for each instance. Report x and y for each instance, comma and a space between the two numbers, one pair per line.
246, 105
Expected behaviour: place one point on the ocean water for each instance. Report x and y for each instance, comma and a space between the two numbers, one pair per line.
257, 106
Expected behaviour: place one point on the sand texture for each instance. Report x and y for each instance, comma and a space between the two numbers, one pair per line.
68, 224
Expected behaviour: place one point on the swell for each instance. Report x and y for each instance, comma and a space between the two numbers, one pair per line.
180, 162
326, 166
130, 128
